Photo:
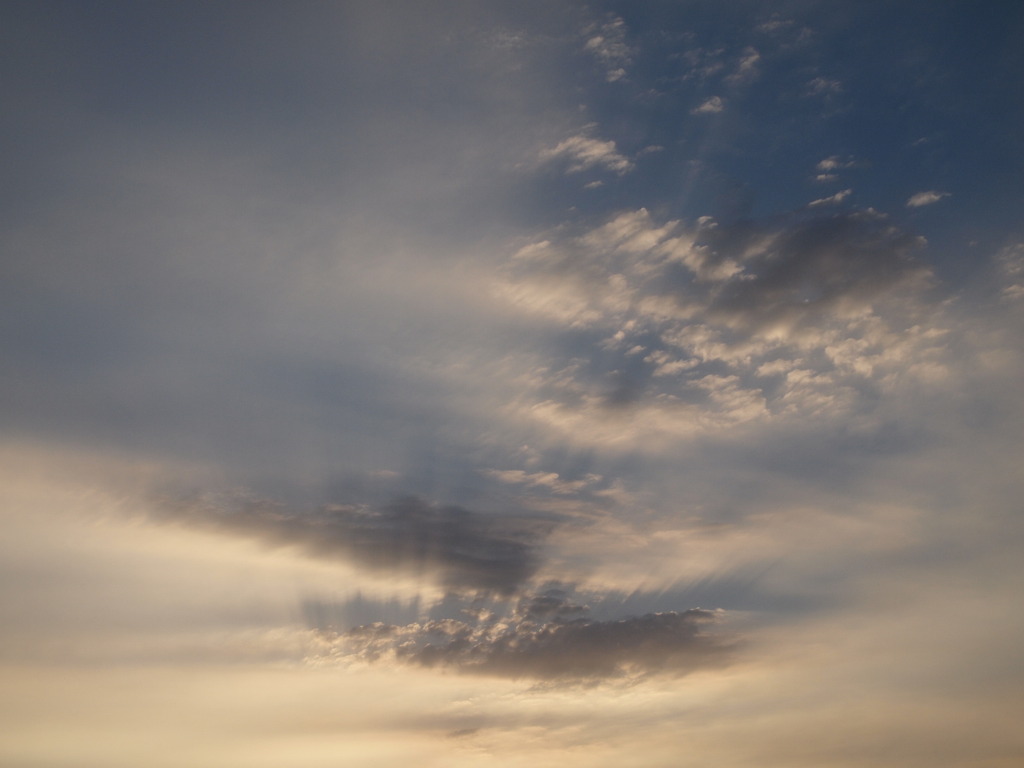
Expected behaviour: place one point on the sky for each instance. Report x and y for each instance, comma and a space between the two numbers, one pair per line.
512, 384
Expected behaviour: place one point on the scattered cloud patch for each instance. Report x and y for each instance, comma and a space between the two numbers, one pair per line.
549, 480
704, 63
835, 163
607, 43
775, 25
691, 313
823, 86
582, 153
926, 198
710, 106
1010, 263
747, 68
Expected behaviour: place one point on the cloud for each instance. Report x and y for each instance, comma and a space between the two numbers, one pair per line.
835, 163
747, 68
459, 548
607, 43
1010, 267
704, 63
926, 198
775, 25
835, 199
710, 106
827, 168
549, 480
822, 86
583, 152
704, 326
547, 637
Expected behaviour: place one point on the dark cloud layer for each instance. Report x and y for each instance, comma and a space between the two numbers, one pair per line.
459, 548
549, 638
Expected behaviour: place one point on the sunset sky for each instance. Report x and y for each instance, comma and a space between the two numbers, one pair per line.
455, 384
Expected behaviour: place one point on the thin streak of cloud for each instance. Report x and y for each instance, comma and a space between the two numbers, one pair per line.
835, 199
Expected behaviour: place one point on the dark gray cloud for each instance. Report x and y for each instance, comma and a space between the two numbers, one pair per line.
461, 549
546, 637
